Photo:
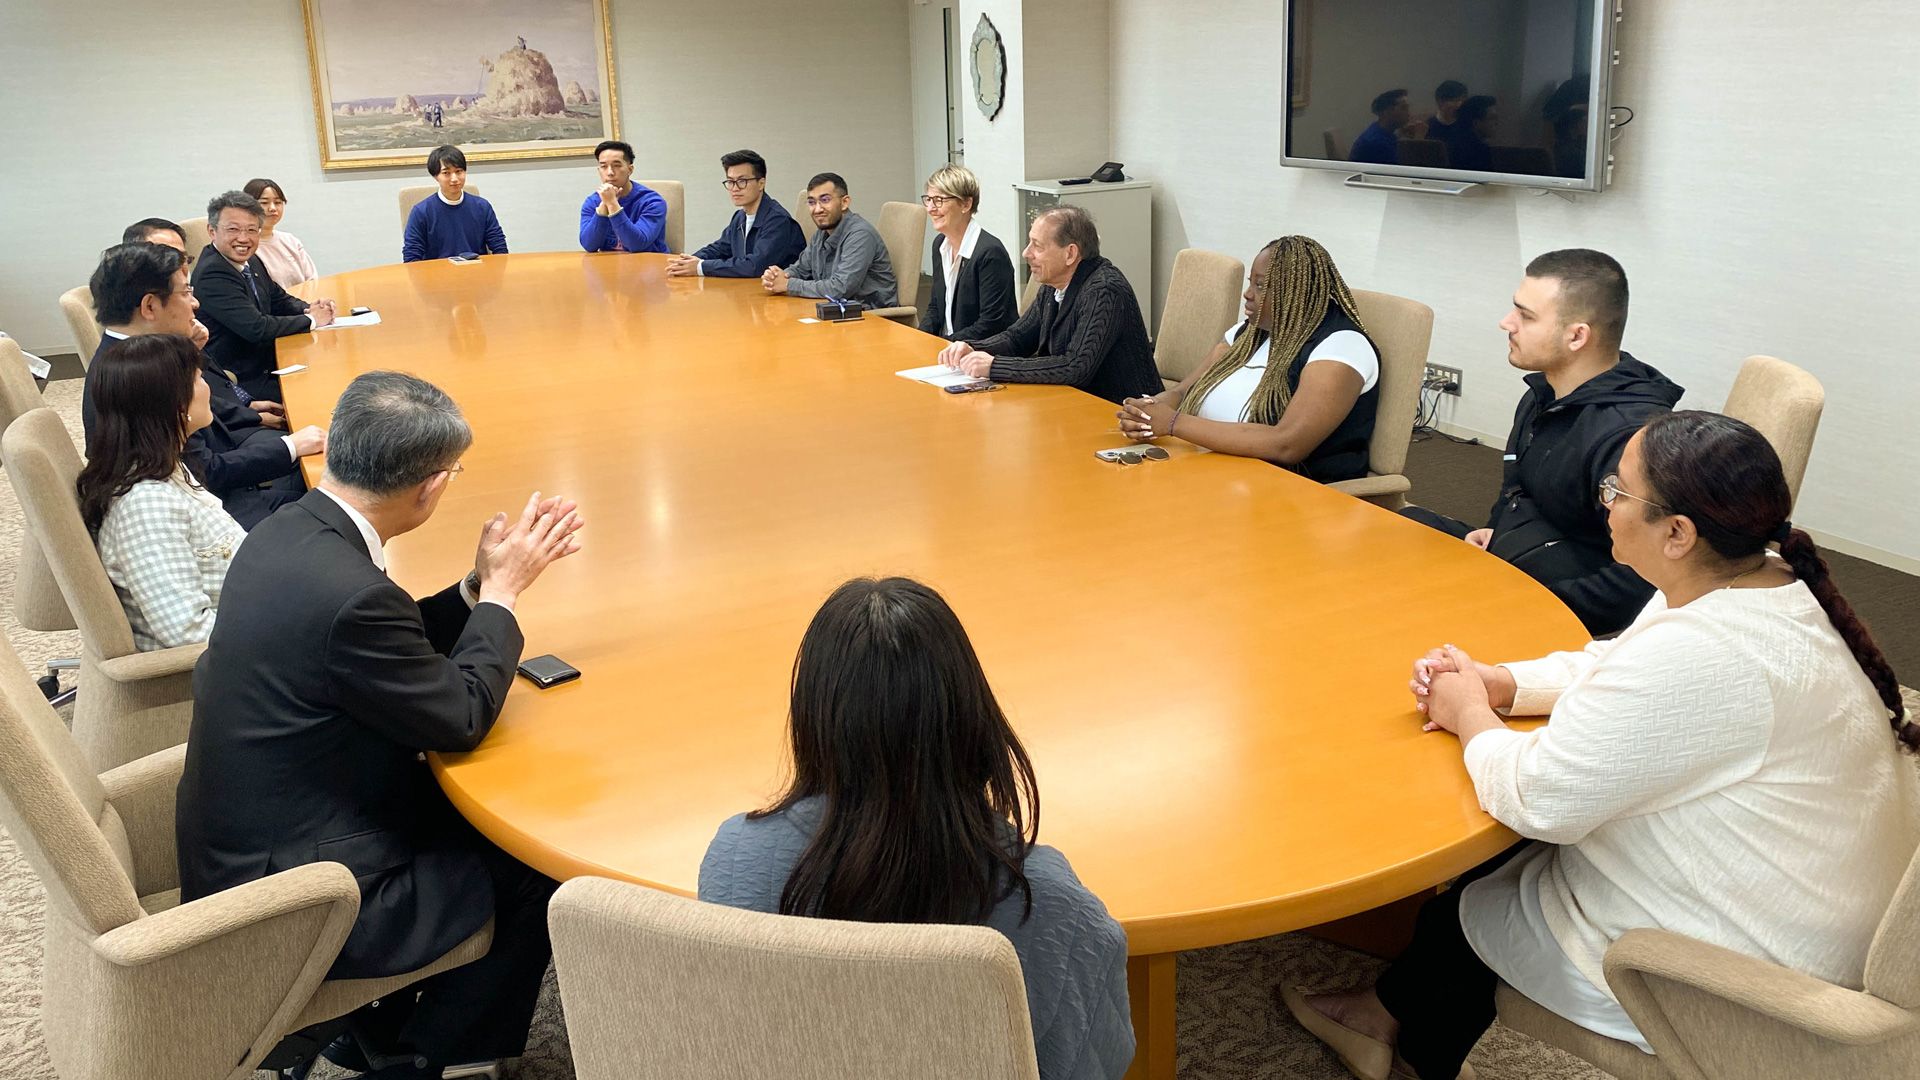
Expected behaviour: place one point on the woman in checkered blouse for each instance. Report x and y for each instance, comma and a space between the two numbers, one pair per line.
165, 541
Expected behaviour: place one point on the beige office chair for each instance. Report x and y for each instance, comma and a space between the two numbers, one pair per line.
1715, 1014
136, 983
903, 226
674, 193
197, 236
1203, 303
37, 602
77, 305
1783, 403
414, 193
1335, 142
800, 214
1401, 330
1028, 293
131, 703
659, 986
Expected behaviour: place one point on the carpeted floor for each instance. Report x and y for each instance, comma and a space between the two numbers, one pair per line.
1229, 1027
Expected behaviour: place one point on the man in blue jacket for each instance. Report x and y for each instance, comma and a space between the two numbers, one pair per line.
622, 215
452, 221
761, 234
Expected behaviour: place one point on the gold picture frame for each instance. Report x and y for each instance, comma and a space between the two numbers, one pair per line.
361, 52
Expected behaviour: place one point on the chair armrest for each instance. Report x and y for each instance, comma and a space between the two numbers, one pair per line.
141, 666
177, 932
1790, 997
142, 793
1373, 485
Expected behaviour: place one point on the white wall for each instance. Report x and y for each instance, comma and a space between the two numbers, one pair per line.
1065, 45
1763, 203
997, 148
117, 110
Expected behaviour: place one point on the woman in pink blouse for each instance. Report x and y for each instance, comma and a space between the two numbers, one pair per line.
286, 258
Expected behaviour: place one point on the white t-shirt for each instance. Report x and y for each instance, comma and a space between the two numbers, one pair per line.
1228, 402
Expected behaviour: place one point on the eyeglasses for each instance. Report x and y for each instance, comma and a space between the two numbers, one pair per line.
457, 469
184, 290
816, 203
1610, 490
735, 183
935, 202
1135, 457
230, 230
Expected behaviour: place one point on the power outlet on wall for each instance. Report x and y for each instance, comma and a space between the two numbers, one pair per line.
1442, 378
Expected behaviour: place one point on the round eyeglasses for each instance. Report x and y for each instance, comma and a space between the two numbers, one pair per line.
1610, 490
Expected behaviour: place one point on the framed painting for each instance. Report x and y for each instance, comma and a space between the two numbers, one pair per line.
500, 79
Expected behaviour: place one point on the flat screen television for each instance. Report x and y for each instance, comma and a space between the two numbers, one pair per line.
1495, 91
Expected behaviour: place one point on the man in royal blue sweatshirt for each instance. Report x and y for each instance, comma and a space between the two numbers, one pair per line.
622, 215
1380, 143
761, 234
451, 222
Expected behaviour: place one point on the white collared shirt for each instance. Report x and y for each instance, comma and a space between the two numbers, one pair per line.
452, 202
378, 553
288, 439
951, 259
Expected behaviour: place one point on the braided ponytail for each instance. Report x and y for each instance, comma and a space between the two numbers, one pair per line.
1726, 478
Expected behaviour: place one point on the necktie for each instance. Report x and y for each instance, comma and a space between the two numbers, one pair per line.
245, 398
246, 271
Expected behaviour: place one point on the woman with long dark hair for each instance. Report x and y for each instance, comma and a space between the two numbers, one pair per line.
164, 540
1296, 383
913, 801
1729, 768
286, 257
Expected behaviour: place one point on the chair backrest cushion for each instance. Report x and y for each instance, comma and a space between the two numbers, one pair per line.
37, 602
1028, 293
1335, 143
1203, 303
43, 464
1401, 330
413, 193
1783, 403
904, 228
799, 212
77, 305
674, 193
197, 236
55, 808
1893, 960
661, 986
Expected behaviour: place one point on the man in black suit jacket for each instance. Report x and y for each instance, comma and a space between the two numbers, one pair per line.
321, 687
245, 455
245, 310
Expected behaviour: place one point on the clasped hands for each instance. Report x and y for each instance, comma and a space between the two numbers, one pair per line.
682, 266
512, 554
323, 312
1144, 418
1458, 693
775, 280
967, 360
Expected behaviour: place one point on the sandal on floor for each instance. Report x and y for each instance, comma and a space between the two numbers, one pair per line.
1364, 1056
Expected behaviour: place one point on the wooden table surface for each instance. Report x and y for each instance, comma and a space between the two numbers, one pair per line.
1206, 657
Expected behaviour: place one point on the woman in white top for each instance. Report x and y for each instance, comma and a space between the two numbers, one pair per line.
1724, 769
285, 256
1312, 411
164, 540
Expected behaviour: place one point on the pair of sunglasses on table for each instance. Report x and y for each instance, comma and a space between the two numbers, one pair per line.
1131, 455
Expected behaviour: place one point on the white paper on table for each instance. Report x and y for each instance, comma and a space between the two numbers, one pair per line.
809, 320
371, 318
938, 375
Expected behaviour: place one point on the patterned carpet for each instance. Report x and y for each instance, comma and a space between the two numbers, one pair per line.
1228, 1025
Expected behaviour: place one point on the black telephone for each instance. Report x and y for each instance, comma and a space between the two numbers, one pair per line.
1110, 173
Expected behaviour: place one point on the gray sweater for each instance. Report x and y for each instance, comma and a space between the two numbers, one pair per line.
849, 263
1072, 953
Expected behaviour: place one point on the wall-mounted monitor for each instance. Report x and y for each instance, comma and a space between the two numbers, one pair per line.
1495, 91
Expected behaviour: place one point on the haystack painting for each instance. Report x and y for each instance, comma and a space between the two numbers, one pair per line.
498, 78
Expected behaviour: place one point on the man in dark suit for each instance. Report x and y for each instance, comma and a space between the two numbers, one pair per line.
245, 310
761, 234
320, 688
245, 456
1084, 329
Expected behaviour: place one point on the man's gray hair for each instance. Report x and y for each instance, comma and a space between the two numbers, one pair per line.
234, 200
1073, 225
391, 431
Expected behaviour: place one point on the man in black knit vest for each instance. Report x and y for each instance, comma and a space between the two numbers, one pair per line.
1084, 329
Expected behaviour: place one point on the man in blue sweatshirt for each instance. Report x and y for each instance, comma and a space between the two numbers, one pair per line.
451, 222
761, 234
622, 215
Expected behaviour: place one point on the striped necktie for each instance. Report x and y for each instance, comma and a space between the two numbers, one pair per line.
246, 271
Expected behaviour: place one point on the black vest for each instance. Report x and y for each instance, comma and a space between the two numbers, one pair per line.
1343, 454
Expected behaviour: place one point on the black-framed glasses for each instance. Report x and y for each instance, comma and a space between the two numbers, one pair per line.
1135, 457
935, 202
1610, 490
735, 183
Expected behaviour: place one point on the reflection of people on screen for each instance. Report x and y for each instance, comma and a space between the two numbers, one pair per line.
1467, 149
1447, 99
1566, 111
1380, 143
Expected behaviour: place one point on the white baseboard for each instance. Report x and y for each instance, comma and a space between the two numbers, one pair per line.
1498, 442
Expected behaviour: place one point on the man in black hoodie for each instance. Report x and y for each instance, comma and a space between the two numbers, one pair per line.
1585, 398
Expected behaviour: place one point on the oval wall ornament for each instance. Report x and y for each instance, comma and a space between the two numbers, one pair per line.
989, 68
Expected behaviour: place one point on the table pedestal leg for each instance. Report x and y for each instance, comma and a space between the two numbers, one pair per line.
1150, 993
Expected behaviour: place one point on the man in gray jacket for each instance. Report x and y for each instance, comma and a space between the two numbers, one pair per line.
847, 260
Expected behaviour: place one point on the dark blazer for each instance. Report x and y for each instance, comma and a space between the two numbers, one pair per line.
236, 456
775, 240
243, 324
1094, 338
321, 685
983, 299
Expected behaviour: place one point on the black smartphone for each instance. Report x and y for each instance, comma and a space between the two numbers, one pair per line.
466, 257
1076, 180
547, 671
360, 311
972, 387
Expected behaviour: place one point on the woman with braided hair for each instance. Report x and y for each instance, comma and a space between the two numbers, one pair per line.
1312, 408
1729, 768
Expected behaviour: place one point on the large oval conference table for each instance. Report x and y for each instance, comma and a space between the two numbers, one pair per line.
1207, 657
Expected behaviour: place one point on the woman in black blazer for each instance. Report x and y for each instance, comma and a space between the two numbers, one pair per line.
982, 297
